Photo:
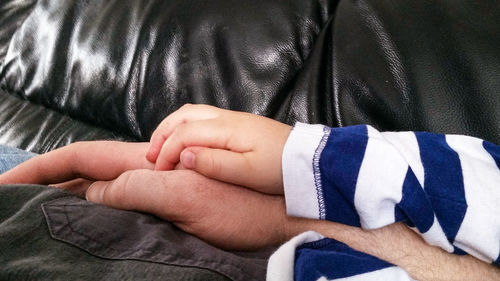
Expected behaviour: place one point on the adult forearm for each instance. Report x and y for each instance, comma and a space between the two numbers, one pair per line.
399, 245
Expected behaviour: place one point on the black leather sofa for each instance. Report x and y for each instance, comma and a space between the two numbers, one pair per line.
91, 69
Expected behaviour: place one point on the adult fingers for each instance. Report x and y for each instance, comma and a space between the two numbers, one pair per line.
76, 186
110, 159
188, 112
103, 160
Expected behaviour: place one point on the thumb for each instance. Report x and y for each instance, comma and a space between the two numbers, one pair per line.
219, 164
137, 190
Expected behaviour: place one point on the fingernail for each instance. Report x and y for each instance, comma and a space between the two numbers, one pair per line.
94, 194
187, 159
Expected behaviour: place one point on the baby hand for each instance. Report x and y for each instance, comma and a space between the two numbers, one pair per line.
235, 147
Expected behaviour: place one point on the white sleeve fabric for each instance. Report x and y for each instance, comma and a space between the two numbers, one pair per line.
445, 186
300, 179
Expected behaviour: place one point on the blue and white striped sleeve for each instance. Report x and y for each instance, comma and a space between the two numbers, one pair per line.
445, 186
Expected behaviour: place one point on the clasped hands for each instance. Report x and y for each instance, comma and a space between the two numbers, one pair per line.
214, 173
217, 175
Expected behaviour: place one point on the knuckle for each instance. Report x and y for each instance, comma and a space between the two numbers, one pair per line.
109, 195
74, 154
159, 132
181, 127
115, 193
180, 131
214, 166
187, 106
161, 137
75, 148
193, 188
154, 135
182, 202
191, 202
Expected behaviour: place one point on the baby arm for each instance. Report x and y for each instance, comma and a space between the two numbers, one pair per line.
346, 187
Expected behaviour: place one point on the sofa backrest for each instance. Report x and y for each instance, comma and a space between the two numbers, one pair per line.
125, 65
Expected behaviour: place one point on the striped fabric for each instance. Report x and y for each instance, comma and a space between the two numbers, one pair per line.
445, 186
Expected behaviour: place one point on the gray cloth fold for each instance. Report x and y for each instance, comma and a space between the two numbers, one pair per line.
78, 240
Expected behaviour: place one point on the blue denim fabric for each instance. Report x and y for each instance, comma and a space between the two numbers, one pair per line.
11, 157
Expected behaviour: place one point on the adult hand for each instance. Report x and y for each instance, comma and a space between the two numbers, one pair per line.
227, 216
235, 147
99, 160
236, 218
224, 215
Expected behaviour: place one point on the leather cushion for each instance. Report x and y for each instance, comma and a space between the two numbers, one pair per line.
405, 65
13, 13
127, 64
38, 129
418, 65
